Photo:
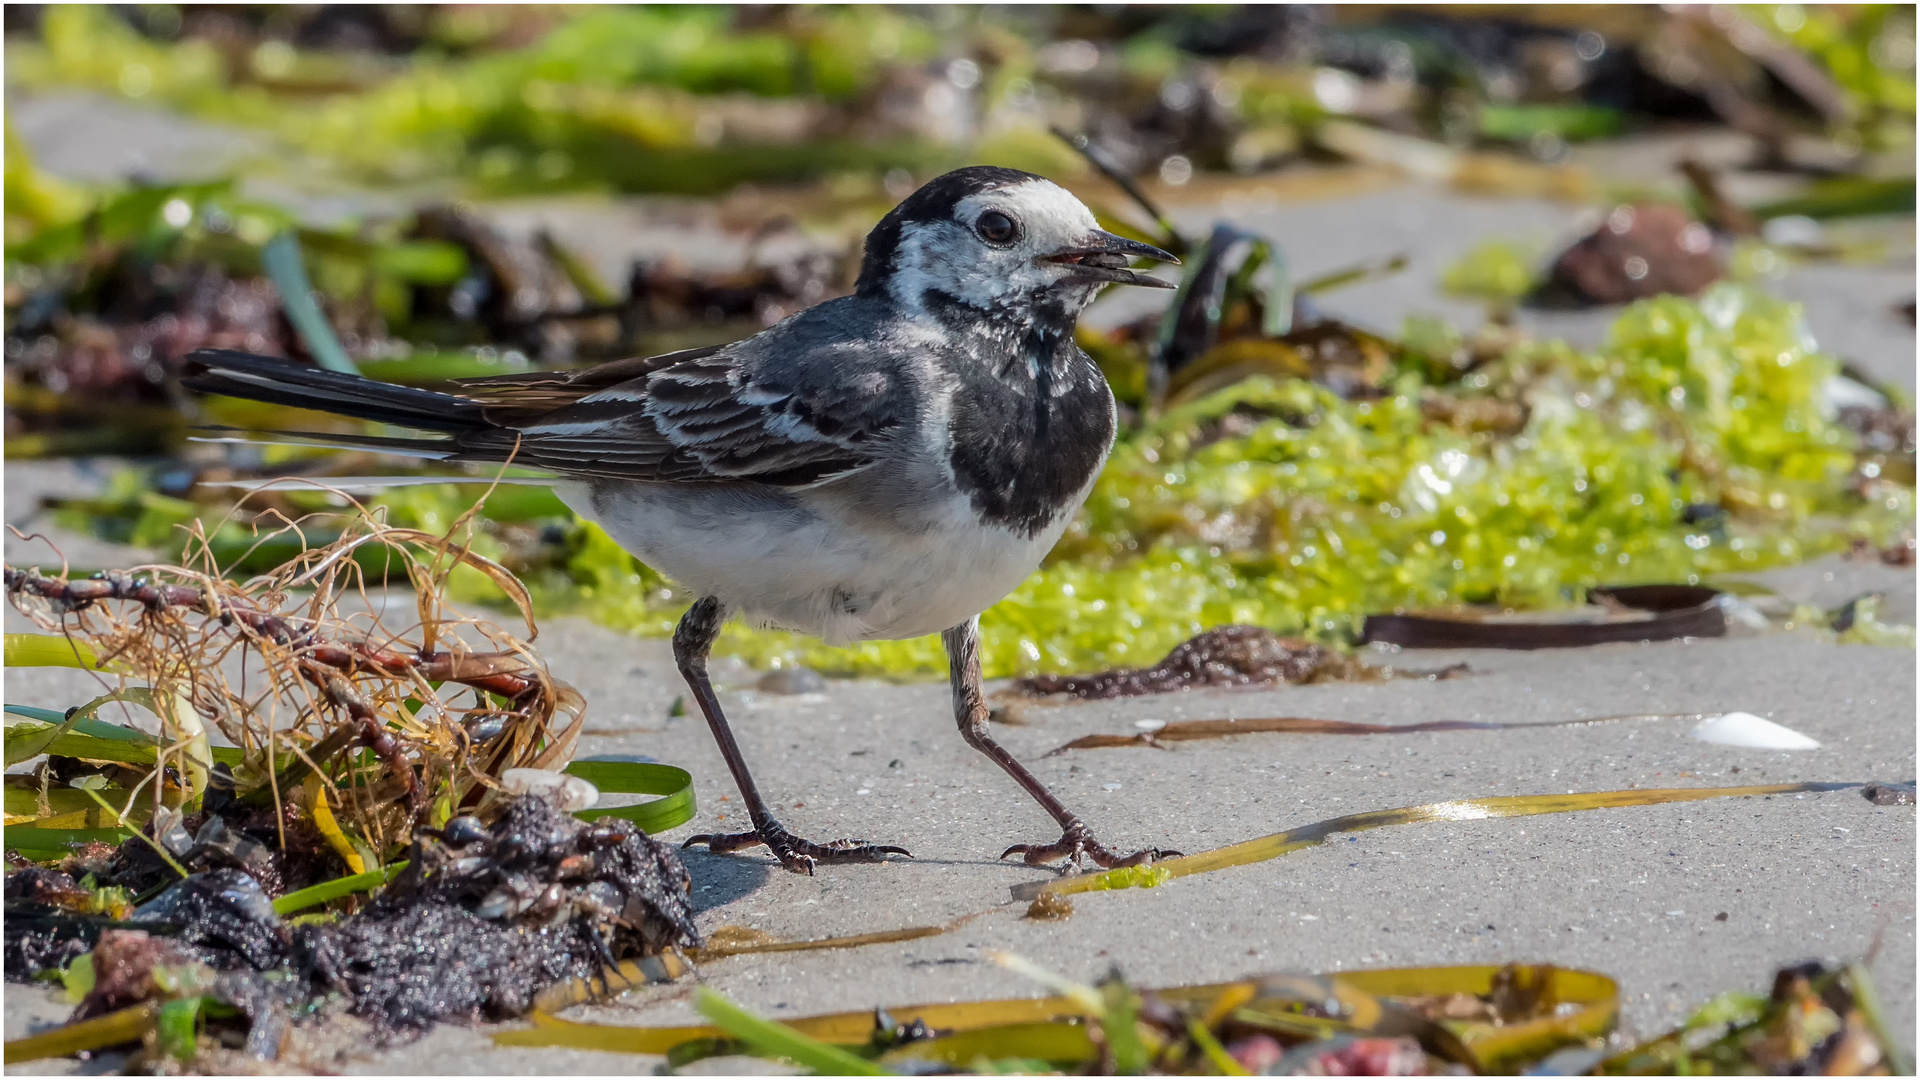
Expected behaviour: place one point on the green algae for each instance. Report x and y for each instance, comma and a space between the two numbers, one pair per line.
1692, 443
1132, 877
1499, 272
611, 97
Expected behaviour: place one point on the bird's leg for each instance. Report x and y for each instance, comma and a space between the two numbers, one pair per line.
970, 709
692, 640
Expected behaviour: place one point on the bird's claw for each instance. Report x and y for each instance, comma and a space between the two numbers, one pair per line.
1077, 843
797, 855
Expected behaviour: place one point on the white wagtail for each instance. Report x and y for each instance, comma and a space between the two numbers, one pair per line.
887, 464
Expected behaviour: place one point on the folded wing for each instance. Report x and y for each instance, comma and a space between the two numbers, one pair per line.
691, 417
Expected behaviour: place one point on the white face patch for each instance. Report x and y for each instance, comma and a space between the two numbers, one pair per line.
951, 256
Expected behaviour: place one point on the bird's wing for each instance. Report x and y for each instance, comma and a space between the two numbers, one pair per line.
525, 395
701, 416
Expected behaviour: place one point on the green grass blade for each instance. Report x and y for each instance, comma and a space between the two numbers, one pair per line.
47, 650
1846, 196
289, 276
1119, 1021
97, 740
43, 845
338, 887
773, 1039
1222, 1061
675, 784
178, 1026
26, 741
113, 1029
98, 729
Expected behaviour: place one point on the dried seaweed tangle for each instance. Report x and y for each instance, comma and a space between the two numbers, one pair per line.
298, 666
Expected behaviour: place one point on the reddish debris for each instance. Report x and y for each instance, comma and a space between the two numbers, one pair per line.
202, 309
123, 963
1639, 251
1224, 656
39, 885
1256, 1053
1898, 553
1368, 1057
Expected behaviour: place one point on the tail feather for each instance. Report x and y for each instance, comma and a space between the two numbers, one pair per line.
431, 449
282, 382
370, 485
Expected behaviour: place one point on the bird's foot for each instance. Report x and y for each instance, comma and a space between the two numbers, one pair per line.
794, 853
1077, 843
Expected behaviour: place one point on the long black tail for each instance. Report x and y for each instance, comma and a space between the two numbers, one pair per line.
283, 382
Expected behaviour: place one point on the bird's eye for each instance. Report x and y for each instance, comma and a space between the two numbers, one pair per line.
996, 227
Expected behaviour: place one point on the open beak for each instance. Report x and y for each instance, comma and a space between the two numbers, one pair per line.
1104, 256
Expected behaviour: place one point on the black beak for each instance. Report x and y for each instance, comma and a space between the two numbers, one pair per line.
1103, 257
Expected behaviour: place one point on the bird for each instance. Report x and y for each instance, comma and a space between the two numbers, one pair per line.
883, 465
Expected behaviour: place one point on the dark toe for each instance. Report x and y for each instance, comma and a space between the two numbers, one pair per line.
1076, 844
797, 855
799, 864
723, 843
1039, 854
851, 851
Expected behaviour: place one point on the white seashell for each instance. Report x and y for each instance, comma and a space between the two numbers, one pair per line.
567, 792
530, 781
1753, 732
577, 794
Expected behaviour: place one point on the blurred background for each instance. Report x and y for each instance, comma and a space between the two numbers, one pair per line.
1483, 306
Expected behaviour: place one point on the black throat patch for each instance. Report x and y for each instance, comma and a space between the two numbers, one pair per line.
1032, 417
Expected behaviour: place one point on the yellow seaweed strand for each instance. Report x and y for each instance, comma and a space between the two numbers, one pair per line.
846, 1029
127, 1025
851, 941
627, 975
1054, 1028
329, 828
1496, 806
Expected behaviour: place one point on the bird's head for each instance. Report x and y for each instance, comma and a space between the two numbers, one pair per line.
999, 240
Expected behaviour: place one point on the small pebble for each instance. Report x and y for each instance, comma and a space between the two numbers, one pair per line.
1881, 793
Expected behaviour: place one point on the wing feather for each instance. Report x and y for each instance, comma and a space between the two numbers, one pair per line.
698, 416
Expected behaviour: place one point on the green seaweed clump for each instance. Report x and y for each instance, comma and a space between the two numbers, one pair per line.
1694, 442
635, 98
1499, 272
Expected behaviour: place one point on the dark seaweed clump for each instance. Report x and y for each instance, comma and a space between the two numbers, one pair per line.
495, 916
482, 920
1227, 656
41, 934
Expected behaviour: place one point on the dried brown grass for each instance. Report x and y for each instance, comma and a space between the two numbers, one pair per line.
300, 665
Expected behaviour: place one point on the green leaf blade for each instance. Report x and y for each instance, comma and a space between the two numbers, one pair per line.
773, 1039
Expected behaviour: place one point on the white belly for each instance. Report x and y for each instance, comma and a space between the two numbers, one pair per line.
801, 562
